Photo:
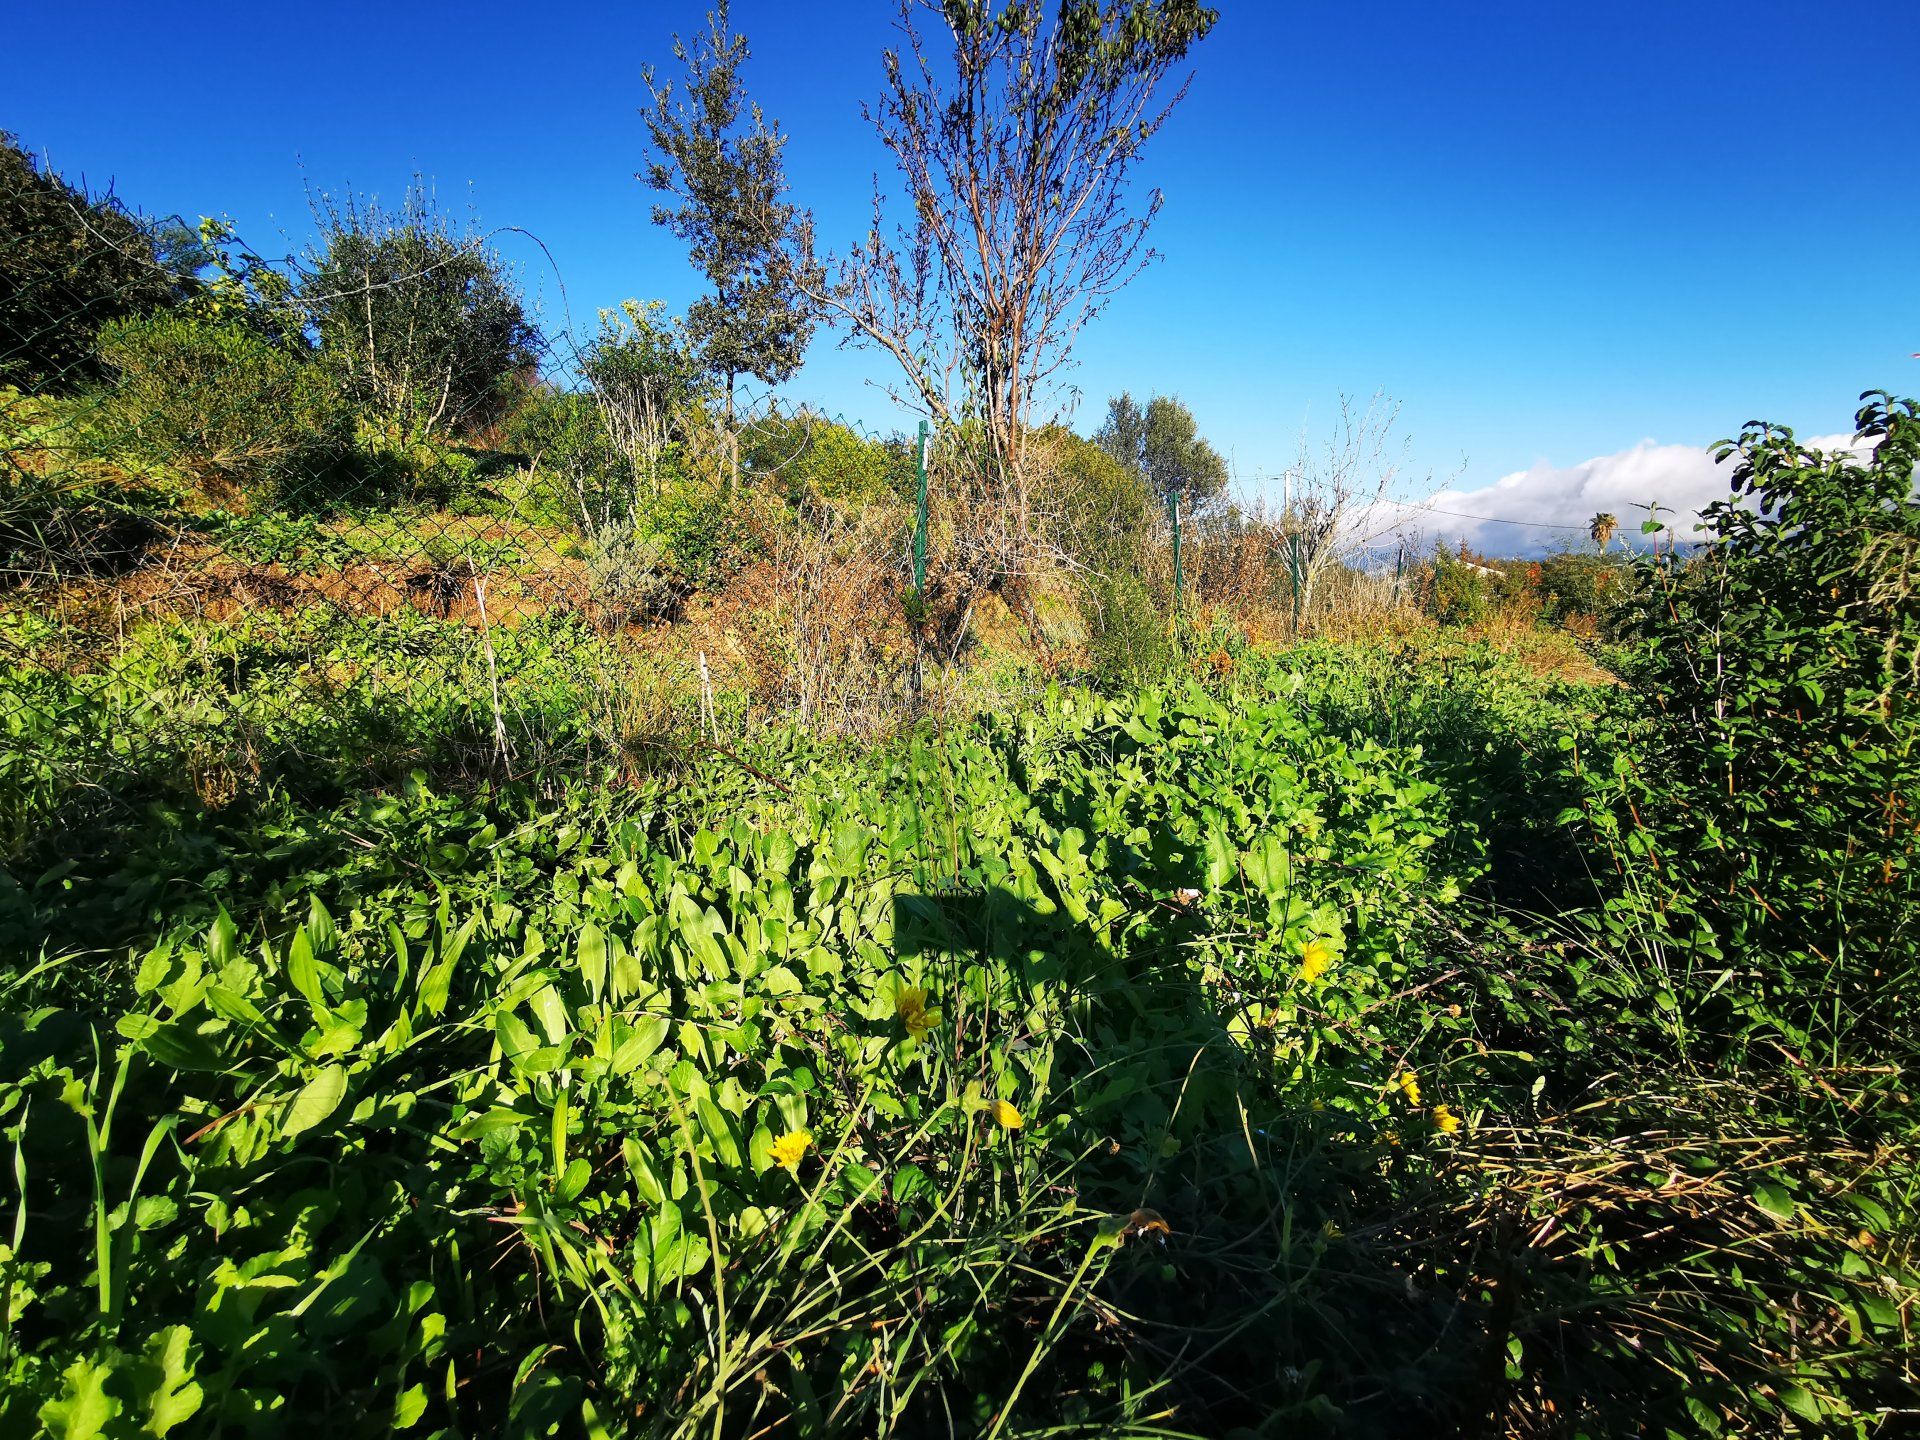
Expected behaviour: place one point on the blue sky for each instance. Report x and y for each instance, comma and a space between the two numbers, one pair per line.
1552, 233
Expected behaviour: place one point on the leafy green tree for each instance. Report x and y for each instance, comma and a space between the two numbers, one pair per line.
69, 263
419, 317
720, 158
1163, 446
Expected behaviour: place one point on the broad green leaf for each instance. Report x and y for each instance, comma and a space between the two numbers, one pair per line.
83, 1410
173, 1396
316, 1100
592, 959
303, 972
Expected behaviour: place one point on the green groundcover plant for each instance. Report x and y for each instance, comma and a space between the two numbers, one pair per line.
1178, 1063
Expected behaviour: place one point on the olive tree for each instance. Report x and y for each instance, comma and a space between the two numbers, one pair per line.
1161, 443
721, 159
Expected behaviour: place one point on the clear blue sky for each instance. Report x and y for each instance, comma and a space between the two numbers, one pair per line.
1550, 231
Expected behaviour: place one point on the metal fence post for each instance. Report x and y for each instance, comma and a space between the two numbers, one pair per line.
1293, 571
919, 608
1173, 509
920, 524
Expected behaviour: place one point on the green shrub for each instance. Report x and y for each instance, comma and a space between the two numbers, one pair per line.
1575, 588
393, 465
1101, 516
814, 459
630, 574
220, 403
1127, 639
703, 535
69, 264
1455, 592
1783, 660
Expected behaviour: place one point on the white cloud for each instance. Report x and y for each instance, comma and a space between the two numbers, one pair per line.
1548, 507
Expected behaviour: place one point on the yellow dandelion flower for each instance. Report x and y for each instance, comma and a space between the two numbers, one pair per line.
789, 1148
1409, 1084
1316, 961
910, 1005
1006, 1116
1444, 1120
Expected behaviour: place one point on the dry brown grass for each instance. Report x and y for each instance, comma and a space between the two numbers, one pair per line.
1554, 654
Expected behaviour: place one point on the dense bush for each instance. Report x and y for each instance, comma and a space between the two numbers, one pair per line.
246, 418
1574, 589
419, 319
1781, 785
69, 264
813, 458
1102, 518
1455, 591
573, 473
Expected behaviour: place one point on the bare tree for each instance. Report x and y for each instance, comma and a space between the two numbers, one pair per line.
643, 374
1016, 138
1337, 490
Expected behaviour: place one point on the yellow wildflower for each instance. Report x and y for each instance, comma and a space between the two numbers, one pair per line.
914, 1012
1315, 962
1409, 1084
1444, 1120
789, 1148
1330, 1231
1006, 1116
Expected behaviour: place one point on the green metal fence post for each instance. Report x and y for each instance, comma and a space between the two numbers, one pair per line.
1173, 509
919, 615
920, 524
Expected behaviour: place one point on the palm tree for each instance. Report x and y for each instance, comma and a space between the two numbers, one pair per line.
1601, 528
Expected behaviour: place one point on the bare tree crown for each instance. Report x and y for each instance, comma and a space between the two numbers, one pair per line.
1016, 137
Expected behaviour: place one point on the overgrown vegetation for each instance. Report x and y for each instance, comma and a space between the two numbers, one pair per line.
566, 904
